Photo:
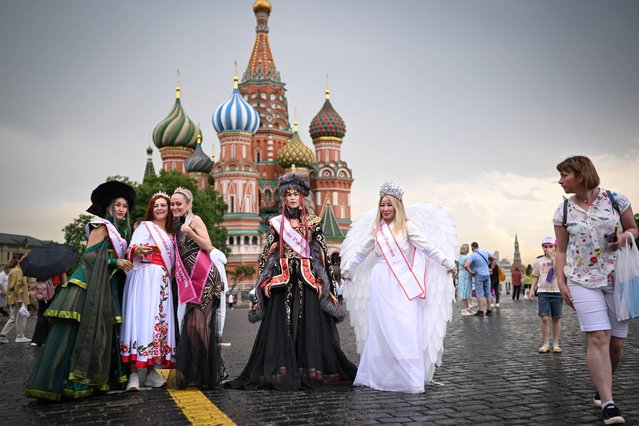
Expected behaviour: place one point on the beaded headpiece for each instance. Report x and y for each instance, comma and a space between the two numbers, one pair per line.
391, 188
186, 192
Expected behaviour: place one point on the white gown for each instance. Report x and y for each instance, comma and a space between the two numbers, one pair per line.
147, 334
402, 339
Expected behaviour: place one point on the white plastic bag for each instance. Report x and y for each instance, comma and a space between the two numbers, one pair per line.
627, 282
23, 311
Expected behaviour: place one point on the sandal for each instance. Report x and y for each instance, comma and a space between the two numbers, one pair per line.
544, 349
555, 348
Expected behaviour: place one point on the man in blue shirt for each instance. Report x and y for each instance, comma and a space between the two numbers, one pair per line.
480, 265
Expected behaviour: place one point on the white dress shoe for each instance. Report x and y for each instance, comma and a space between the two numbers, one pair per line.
134, 383
154, 380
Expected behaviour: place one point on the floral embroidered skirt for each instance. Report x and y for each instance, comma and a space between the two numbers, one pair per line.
148, 334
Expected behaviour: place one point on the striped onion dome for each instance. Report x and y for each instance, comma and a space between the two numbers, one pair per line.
176, 129
198, 162
327, 122
296, 153
235, 114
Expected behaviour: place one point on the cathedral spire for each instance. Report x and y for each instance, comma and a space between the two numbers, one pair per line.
261, 66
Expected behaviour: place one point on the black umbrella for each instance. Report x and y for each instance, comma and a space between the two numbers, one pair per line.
48, 260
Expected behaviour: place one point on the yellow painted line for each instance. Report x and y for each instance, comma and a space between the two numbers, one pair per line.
197, 408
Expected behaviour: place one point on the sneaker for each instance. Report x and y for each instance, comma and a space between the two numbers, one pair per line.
466, 312
4, 339
556, 348
596, 400
225, 344
497, 305
479, 314
134, 383
22, 340
34, 344
544, 349
612, 415
489, 312
154, 380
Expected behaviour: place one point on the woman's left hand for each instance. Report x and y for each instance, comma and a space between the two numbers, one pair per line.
124, 264
186, 229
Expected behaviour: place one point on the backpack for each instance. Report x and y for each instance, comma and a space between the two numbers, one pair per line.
502, 274
614, 203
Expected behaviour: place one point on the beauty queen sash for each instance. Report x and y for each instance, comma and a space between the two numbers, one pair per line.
294, 239
164, 243
190, 288
119, 244
410, 277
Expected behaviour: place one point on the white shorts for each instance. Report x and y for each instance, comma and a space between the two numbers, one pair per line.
595, 309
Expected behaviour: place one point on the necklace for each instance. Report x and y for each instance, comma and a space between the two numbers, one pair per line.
588, 195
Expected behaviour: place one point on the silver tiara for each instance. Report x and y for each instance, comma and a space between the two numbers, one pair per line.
162, 193
391, 188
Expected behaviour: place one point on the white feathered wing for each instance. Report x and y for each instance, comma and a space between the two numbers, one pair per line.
439, 228
356, 291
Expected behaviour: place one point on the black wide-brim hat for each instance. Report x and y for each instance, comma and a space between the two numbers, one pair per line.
105, 193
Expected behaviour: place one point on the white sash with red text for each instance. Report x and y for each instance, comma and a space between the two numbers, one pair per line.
119, 244
163, 242
294, 239
410, 277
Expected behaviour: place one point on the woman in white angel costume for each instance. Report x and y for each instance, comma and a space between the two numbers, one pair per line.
400, 299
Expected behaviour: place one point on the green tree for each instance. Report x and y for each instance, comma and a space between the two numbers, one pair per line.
207, 204
241, 272
74, 232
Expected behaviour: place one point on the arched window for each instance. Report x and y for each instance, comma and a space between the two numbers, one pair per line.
267, 195
254, 242
246, 240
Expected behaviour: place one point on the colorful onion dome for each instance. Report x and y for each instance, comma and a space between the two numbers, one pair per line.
198, 162
176, 130
262, 6
327, 122
235, 114
296, 153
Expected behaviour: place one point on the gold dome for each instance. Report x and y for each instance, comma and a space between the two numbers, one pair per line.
262, 6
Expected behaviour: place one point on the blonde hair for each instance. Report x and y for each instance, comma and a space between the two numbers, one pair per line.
188, 195
400, 216
463, 249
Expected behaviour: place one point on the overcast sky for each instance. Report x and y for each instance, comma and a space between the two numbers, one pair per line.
468, 104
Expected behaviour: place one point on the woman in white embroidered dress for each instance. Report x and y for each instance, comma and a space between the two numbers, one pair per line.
587, 244
396, 346
148, 335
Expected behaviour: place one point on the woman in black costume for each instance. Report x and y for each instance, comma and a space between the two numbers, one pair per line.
198, 358
297, 346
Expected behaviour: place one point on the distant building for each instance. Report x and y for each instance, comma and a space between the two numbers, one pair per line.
257, 145
11, 244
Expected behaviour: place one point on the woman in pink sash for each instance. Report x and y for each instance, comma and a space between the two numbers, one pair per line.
297, 346
148, 335
198, 358
400, 301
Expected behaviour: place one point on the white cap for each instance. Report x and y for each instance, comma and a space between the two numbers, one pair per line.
549, 240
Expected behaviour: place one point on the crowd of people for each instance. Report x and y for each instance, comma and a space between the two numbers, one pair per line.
155, 299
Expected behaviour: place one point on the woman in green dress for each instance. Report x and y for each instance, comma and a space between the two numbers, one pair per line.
81, 354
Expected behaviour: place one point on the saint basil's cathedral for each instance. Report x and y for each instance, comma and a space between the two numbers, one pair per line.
257, 145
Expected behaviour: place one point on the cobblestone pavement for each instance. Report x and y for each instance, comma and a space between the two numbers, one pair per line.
491, 375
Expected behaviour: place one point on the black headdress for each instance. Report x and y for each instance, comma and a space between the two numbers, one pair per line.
293, 181
105, 193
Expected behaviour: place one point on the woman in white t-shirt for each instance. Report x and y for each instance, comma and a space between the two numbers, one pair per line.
587, 244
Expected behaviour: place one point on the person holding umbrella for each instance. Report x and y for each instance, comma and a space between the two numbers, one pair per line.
17, 295
81, 354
